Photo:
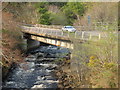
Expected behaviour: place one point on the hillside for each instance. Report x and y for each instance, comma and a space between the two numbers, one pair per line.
99, 12
13, 16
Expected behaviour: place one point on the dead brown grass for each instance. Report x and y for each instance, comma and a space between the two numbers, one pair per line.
10, 39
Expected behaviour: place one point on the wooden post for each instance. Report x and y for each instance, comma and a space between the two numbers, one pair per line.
83, 34
90, 36
62, 33
99, 36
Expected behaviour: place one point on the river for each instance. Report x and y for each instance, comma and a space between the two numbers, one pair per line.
37, 70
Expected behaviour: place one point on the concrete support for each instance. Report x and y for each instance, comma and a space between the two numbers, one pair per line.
53, 41
44, 44
24, 45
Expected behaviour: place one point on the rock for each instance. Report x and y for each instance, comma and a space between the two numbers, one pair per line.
65, 84
51, 68
38, 86
68, 87
64, 76
40, 55
43, 78
58, 74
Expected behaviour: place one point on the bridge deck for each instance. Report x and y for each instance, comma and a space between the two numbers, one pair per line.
59, 34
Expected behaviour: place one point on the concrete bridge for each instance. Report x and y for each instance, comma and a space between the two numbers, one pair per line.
57, 36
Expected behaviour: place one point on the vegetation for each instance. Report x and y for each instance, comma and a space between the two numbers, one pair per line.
13, 16
59, 4
95, 64
58, 19
44, 14
73, 11
69, 11
99, 12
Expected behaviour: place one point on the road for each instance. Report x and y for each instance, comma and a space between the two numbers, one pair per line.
59, 32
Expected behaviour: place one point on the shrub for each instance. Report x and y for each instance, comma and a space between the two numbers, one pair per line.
45, 19
97, 61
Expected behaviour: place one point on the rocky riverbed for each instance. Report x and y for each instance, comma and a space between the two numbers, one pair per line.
38, 69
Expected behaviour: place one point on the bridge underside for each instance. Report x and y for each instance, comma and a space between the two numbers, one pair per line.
55, 42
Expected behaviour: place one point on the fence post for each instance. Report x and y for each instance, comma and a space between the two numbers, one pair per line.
62, 33
99, 36
83, 34
90, 36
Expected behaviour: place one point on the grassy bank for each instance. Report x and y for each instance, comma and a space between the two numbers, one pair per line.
93, 65
97, 62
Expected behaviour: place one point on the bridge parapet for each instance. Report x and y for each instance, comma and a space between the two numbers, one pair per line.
59, 38
59, 34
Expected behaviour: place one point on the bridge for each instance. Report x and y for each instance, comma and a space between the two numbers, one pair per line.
58, 37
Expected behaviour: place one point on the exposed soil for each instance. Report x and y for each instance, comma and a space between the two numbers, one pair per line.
11, 52
65, 77
69, 79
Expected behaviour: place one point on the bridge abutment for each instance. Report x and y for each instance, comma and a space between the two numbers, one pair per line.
32, 44
43, 44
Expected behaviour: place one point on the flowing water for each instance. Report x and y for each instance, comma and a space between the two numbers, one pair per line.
37, 70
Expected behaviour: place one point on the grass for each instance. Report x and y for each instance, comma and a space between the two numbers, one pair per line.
97, 61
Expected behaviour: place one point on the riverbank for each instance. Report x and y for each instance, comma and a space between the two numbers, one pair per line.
11, 44
65, 76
